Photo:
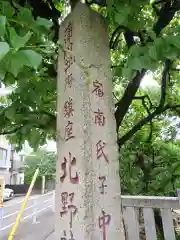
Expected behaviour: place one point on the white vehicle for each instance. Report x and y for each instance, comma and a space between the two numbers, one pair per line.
8, 194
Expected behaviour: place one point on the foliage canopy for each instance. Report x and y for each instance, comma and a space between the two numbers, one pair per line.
42, 159
144, 37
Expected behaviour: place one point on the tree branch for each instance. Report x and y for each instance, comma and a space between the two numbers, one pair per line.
126, 100
11, 131
143, 99
128, 34
167, 66
166, 14
45, 113
158, 110
175, 69
24, 123
144, 121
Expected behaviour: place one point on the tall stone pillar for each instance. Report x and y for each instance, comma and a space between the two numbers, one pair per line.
88, 183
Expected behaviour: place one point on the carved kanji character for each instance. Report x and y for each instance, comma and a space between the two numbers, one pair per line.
99, 118
68, 35
68, 61
67, 206
100, 150
69, 131
68, 108
98, 88
104, 222
68, 81
66, 167
102, 187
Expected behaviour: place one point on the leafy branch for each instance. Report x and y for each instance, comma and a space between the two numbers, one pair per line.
159, 110
147, 108
144, 121
7, 132
166, 70
128, 34
134, 84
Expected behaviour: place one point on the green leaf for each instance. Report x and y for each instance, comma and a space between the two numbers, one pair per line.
170, 52
9, 79
135, 63
4, 49
153, 53
175, 40
147, 62
25, 16
157, 49
44, 23
152, 34
122, 16
135, 50
2, 25
177, 28
128, 73
12, 63
15, 65
7, 9
2, 73
175, 166
18, 41
30, 58
157, 171
34, 138
10, 112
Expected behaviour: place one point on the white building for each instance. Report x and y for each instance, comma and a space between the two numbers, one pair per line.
11, 163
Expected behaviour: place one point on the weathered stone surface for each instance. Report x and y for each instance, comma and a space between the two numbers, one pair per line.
93, 133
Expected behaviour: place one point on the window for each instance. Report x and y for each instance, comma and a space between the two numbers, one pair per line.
12, 154
21, 158
3, 154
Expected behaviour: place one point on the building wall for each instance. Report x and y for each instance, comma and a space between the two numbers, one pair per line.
20, 178
5, 152
6, 174
17, 179
11, 163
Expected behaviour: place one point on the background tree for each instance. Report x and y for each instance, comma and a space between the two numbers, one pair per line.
45, 160
144, 37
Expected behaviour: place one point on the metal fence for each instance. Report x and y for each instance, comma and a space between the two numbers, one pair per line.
36, 206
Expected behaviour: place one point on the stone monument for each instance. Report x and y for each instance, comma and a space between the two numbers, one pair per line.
88, 205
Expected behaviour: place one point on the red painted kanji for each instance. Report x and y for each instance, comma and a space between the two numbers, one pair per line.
98, 88
68, 108
65, 236
100, 150
68, 81
67, 206
104, 222
103, 186
69, 131
66, 167
99, 118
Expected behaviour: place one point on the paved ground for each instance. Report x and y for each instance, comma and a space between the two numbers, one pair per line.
51, 236
39, 231
27, 230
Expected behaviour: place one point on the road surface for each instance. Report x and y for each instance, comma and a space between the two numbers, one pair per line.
28, 230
